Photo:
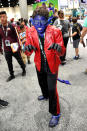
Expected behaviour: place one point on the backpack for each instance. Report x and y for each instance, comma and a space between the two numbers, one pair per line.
79, 28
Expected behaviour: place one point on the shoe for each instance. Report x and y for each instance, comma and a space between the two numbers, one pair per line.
76, 57
63, 62
3, 103
10, 78
54, 121
42, 98
24, 73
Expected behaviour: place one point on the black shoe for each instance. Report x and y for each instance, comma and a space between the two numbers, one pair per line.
63, 62
24, 73
76, 57
10, 78
42, 98
3, 103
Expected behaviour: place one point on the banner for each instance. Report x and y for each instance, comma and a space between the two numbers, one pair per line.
54, 2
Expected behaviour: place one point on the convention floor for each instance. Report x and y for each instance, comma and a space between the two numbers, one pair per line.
26, 113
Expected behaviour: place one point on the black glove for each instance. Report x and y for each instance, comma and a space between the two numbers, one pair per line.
55, 47
30, 48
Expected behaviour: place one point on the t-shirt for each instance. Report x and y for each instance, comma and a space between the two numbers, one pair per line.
44, 64
64, 26
85, 22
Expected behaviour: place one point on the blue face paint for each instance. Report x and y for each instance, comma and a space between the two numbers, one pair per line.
40, 23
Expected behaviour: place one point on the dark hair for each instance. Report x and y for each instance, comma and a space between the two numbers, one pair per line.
50, 4
18, 23
21, 27
74, 19
26, 21
41, 11
3, 12
61, 14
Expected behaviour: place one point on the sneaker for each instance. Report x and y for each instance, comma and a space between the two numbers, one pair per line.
76, 57
54, 121
24, 73
42, 98
3, 103
10, 78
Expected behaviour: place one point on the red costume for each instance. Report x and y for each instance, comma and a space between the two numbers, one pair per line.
52, 35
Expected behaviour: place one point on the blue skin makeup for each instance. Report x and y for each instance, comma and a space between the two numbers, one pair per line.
40, 23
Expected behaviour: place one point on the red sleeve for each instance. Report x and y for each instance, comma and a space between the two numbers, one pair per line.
59, 41
28, 41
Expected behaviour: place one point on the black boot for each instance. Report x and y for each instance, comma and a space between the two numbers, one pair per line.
3, 103
24, 73
10, 78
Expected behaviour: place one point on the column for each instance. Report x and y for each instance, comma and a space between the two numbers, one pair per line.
23, 9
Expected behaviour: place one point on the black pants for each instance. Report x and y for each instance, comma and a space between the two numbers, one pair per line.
62, 58
47, 82
8, 57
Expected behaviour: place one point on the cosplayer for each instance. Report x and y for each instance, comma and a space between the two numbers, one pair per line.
47, 42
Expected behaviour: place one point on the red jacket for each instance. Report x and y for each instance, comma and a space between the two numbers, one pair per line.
52, 35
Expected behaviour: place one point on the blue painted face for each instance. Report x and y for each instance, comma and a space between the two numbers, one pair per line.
40, 23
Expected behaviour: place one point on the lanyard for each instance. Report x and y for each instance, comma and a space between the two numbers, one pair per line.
42, 50
5, 31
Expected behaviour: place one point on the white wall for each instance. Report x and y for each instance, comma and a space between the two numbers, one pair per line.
15, 12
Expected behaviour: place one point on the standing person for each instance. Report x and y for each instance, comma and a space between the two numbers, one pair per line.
55, 16
84, 32
23, 37
30, 21
9, 37
76, 33
64, 26
47, 42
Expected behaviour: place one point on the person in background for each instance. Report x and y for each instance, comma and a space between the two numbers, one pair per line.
44, 5
23, 37
55, 16
10, 40
47, 42
64, 26
76, 33
84, 32
30, 21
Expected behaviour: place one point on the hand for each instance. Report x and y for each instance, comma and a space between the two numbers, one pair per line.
55, 47
30, 48
82, 42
